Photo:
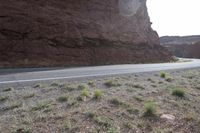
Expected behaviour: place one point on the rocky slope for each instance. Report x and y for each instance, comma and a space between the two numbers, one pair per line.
167, 40
77, 32
185, 50
188, 46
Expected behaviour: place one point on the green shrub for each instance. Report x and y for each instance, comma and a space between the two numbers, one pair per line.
150, 109
63, 98
98, 94
103, 121
112, 83
163, 75
139, 86
178, 92
69, 87
116, 102
91, 114
85, 93
67, 125
8, 89
55, 84
82, 87
37, 86
91, 83
169, 79
3, 98
42, 105
113, 130
29, 95
12, 106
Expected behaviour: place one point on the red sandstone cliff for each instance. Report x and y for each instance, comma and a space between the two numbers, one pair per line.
76, 32
187, 46
185, 50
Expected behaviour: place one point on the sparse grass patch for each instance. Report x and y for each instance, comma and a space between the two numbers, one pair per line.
67, 125
169, 79
112, 83
179, 92
133, 111
8, 89
69, 87
23, 130
30, 95
72, 102
139, 98
119, 109
85, 93
91, 83
115, 101
11, 106
150, 109
163, 75
151, 80
103, 121
98, 94
55, 84
63, 98
159, 130
91, 114
139, 86
130, 90
118, 102
37, 86
83, 87
42, 105
113, 130
3, 98
129, 125
190, 116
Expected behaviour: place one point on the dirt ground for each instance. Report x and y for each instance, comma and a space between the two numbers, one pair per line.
157, 102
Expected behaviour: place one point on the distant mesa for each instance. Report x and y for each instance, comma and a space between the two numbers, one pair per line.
77, 33
186, 46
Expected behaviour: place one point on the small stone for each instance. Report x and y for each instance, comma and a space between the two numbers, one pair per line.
84, 98
168, 117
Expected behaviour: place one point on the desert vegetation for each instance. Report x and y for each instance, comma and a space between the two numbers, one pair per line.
157, 102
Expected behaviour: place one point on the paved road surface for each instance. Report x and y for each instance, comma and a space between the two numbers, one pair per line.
8, 76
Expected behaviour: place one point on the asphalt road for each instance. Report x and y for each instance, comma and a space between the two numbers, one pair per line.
8, 76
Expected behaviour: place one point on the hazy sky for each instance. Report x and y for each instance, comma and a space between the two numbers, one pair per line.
175, 17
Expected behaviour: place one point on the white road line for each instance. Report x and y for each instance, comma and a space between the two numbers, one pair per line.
57, 78
151, 69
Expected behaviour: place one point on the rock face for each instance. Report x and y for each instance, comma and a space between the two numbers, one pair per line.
187, 47
185, 50
77, 32
172, 40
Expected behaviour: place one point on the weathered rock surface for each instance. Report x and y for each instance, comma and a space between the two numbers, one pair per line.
187, 47
171, 40
76, 32
186, 50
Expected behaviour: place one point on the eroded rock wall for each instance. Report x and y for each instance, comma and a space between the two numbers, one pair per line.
185, 50
76, 33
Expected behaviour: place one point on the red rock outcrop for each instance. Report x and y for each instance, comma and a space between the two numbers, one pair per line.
186, 47
185, 50
77, 32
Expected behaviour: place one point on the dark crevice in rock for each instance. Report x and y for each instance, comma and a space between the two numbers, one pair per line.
15, 35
